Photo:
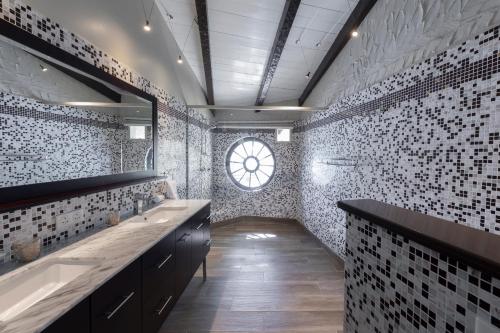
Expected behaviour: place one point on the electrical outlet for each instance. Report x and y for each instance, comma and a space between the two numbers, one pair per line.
65, 221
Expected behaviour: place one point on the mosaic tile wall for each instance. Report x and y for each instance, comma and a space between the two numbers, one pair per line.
426, 139
89, 212
397, 285
54, 140
397, 34
277, 199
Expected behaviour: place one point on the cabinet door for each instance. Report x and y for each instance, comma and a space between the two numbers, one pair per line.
207, 240
158, 283
116, 306
76, 320
183, 258
197, 251
199, 224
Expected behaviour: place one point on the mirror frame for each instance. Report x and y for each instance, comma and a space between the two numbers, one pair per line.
23, 196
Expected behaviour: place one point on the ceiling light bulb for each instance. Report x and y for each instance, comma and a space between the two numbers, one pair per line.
354, 33
179, 60
308, 75
147, 27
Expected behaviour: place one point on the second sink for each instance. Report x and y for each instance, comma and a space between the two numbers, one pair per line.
21, 291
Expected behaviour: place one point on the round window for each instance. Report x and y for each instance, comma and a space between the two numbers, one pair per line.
250, 164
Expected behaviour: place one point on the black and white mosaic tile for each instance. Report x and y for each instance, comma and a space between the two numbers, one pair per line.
90, 211
276, 199
394, 284
426, 139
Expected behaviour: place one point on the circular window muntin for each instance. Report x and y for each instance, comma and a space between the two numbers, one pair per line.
248, 159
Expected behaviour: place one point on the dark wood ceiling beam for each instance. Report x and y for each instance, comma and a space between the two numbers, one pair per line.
353, 22
201, 12
286, 22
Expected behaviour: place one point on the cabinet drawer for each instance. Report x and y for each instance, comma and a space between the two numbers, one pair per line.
157, 306
116, 306
158, 264
76, 320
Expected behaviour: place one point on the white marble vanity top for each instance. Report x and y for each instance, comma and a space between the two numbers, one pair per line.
109, 251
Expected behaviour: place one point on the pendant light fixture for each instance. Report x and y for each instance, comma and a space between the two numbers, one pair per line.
179, 60
147, 18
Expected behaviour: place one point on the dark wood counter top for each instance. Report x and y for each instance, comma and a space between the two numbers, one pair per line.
477, 248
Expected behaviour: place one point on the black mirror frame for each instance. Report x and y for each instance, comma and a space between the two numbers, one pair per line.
18, 197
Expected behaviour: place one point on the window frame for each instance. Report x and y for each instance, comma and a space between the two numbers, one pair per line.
227, 163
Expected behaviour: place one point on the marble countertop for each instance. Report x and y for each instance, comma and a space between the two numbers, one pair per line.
109, 250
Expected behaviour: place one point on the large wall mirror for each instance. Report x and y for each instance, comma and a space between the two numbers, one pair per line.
65, 129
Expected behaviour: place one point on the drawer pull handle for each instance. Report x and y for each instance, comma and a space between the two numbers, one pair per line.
164, 261
183, 238
208, 242
110, 314
201, 225
160, 310
208, 217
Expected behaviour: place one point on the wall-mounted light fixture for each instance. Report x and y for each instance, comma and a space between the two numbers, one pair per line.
43, 68
308, 75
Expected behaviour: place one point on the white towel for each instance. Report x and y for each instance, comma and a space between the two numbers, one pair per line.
172, 190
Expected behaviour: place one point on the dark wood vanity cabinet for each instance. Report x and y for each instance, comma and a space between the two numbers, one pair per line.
201, 237
183, 253
116, 306
158, 283
140, 297
75, 320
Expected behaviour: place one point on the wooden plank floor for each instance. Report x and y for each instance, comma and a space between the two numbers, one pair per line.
263, 276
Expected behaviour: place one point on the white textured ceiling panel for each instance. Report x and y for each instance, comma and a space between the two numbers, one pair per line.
313, 32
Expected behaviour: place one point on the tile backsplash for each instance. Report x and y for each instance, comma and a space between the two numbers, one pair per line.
57, 221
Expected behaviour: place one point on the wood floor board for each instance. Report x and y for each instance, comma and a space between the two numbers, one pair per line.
265, 276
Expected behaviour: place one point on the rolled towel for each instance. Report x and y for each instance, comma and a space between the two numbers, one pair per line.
172, 190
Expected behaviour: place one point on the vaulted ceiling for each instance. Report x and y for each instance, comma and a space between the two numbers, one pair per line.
242, 39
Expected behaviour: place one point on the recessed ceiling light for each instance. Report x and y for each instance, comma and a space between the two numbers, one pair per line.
147, 27
179, 60
355, 33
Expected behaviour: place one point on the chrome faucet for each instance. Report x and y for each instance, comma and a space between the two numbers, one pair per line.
139, 199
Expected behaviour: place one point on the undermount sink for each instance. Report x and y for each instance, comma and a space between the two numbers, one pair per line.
21, 291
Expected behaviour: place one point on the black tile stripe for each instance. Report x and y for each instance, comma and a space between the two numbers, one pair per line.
466, 71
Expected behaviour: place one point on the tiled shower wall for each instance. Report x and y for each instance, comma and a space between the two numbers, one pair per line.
427, 139
90, 211
277, 199
397, 285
